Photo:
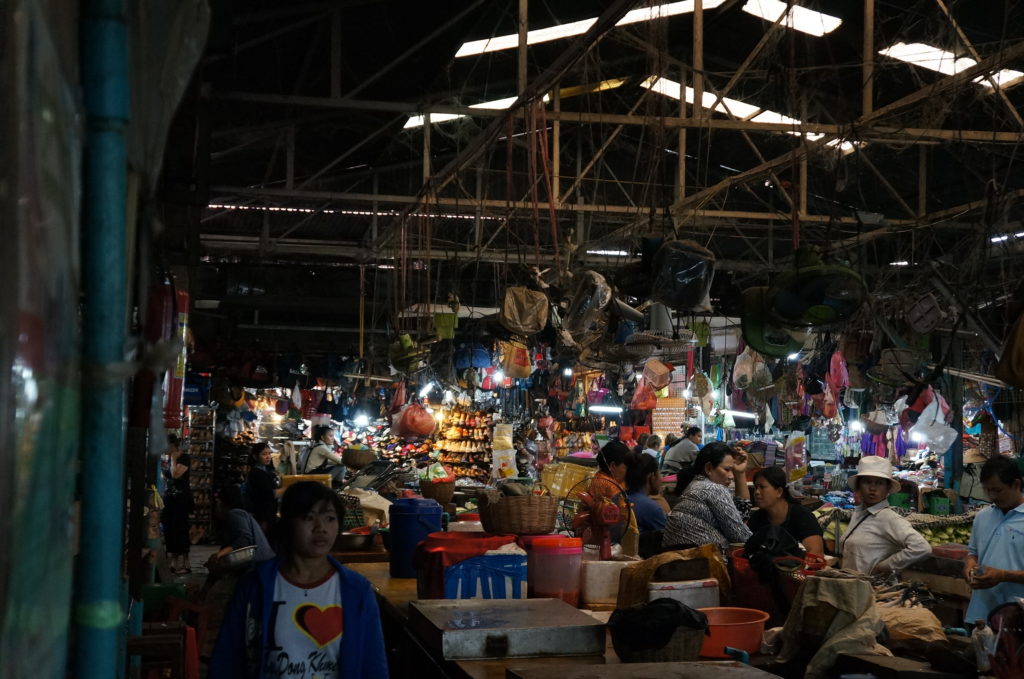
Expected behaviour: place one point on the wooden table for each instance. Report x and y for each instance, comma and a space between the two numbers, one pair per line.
377, 554
409, 657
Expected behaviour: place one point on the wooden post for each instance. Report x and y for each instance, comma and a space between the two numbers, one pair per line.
336, 53
922, 181
521, 70
681, 164
426, 148
698, 61
868, 66
556, 146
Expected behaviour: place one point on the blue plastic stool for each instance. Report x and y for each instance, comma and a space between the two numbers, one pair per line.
494, 576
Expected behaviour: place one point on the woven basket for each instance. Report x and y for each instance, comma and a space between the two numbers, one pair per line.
357, 458
520, 515
684, 646
442, 492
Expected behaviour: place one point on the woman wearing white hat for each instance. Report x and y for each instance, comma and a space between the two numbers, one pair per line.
878, 540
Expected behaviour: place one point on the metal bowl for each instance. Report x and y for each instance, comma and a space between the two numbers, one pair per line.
350, 542
239, 558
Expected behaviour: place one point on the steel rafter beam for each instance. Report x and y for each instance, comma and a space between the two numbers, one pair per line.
681, 208
469, 204
860, 130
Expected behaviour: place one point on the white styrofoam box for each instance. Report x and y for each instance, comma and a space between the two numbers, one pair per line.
599, 581
693, 593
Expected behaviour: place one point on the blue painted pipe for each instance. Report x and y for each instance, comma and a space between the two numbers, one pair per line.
98, 613
738, 654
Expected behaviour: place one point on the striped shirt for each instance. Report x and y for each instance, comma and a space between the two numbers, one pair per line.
707, 514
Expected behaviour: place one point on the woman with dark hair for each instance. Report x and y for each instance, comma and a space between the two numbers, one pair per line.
707, 512
609, 482
775, 507
178, 504
643, 486
683, 454
322, 458
264, 486
303, 609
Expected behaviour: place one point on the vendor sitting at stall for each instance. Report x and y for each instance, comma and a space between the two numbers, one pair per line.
610, 481
323, 459
995, 560
776, 507
707, 512
682, 454
878, 540
643, 485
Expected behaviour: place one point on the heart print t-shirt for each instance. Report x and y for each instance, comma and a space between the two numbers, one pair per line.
305, 629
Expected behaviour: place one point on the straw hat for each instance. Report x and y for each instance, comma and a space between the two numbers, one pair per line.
874, 466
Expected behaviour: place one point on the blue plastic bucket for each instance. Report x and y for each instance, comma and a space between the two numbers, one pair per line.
412, 519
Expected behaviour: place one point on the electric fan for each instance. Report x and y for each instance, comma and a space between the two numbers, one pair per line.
597, 511
815, 293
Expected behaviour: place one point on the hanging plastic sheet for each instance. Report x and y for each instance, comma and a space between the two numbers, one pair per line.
683, 271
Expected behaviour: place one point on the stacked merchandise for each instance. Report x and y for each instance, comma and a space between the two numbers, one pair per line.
200, 448
567, 442
464, 444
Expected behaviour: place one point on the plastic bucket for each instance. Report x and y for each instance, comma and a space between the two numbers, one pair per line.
412, 519
553, 568
740, 628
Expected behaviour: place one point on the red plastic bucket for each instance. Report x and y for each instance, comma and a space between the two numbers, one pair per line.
740, 628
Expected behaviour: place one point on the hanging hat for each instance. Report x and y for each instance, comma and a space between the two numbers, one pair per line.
876, 422
763, 336
874, 466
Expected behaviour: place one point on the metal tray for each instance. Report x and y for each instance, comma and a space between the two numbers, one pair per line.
464, 629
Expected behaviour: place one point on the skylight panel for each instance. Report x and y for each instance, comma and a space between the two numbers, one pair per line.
947, 63
746, 111
507, 42
497, 104
799, 19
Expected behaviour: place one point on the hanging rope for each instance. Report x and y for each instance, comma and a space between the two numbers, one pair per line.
533, 179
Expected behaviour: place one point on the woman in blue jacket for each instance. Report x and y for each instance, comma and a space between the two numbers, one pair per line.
302, 615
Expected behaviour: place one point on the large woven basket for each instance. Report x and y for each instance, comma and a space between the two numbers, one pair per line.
442, 492
684, 646
520, 515
357, 458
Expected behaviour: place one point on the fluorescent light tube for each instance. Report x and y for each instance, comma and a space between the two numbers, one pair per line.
611, 410
511, 41
799, 19
609, 253
945, 62
740, 413
901, 262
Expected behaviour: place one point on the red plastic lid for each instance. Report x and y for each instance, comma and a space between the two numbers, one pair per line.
556, 542
468, 516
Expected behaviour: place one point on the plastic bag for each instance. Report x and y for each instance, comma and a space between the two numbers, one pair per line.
503, 437
643, 397
524, 311
503, 464
683, 271
931, 425
592, 295
413, 420
743, 369
516, 360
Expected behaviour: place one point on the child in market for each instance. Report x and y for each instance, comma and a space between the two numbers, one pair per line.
302, 614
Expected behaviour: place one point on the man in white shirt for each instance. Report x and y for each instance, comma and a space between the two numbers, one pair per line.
685, 452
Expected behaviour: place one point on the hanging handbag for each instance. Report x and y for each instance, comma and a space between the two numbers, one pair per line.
597, 392
516, 360
643, 397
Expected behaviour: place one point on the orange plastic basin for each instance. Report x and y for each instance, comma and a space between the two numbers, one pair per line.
740, 628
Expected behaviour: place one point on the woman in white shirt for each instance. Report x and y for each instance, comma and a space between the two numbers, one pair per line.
878, 540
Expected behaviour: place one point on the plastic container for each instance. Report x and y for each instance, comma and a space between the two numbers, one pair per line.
740, 628
553, 568
693, 593
411, 520
600, 581
950, 551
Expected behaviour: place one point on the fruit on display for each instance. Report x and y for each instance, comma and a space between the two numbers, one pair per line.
946, 535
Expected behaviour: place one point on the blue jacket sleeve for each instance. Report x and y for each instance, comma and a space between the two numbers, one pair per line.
228, 660
363, 652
